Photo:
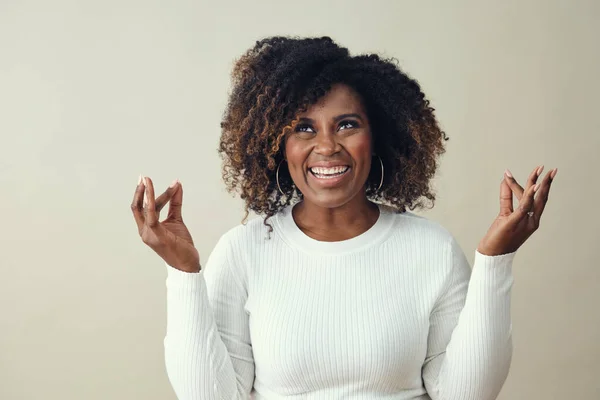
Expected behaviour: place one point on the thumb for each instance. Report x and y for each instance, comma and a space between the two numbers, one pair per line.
176, 203
506, 199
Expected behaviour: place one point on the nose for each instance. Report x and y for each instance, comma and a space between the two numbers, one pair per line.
327, 144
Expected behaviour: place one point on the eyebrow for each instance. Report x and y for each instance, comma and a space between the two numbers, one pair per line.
336, 119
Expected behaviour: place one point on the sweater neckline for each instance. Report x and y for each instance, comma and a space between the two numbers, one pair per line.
292, 234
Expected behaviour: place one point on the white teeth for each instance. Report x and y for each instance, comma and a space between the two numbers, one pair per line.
321, 171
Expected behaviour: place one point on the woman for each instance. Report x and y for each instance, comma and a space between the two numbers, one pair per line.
339, 292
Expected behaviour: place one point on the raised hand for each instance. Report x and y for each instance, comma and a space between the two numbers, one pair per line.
512, 228
170, 238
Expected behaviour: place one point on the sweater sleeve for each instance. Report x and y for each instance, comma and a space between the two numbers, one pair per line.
208, 352
470, 340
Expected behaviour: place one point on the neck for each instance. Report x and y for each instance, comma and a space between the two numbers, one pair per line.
336, 223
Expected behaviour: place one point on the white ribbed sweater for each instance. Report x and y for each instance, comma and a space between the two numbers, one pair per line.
394, 313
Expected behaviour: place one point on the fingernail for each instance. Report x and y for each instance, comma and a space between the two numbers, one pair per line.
145, 181
536, 187
553, 173
507, 172
139, 180
539, 170
174, 183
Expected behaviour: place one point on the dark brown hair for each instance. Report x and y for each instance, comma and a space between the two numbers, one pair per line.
281, 76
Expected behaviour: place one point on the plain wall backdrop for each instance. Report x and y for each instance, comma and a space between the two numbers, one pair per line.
94, 93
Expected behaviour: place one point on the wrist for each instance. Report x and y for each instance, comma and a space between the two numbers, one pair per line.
493, 253
185, 267
488, 249
485, 252
194, 269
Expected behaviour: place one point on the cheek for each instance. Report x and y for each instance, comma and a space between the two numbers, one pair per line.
296, 154
360, 149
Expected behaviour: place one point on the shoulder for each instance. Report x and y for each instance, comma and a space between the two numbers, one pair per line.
242, 245
245, 238
433, 247
420, 227
430, 237
248, 233
234, 250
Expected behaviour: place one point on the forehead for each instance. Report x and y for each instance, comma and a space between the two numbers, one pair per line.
340, 99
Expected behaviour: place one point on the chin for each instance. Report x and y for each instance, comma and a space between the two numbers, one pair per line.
332, 199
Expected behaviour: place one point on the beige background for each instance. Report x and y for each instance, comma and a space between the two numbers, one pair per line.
94, 93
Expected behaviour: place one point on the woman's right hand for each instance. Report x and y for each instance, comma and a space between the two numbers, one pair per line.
170, 238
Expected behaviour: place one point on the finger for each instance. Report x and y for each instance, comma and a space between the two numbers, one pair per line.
533, 176
136, 205
176, 202
164, 198
514, 185
530, 222
151, 214
525, 206
541, 197
506, 198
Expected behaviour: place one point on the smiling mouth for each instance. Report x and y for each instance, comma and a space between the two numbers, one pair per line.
329, 173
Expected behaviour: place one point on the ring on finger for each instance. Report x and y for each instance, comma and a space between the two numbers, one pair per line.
529, 213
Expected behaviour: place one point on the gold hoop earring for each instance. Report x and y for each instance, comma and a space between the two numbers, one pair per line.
277, 177
381, 181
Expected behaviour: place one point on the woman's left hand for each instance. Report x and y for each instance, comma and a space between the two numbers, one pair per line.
512, 227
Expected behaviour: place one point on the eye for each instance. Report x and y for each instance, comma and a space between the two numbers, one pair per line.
304, 131
348, 124
303, 128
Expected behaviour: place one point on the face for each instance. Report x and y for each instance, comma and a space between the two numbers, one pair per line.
329, 152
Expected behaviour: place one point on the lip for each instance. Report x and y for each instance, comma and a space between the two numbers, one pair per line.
328, 164
329, 182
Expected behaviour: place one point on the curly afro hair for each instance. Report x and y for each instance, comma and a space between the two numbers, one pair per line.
282, 76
